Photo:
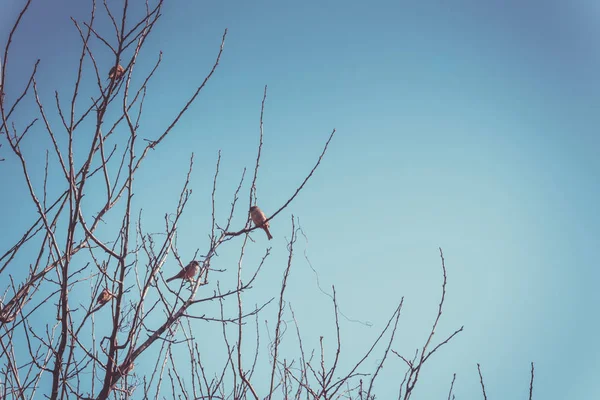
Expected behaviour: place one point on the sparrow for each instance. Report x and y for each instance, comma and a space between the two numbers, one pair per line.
258, 217
116, 74
188, 272
6, 317
104, 297
125, 369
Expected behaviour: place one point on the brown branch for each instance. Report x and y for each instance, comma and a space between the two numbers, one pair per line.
329, 375
257, 164
3, 71
336, 386
243, 376
286, 274
531, 383
415, 369
451, 386
481, 381
387, 350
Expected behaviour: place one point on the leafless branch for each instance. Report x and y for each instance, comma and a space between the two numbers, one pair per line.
481, 381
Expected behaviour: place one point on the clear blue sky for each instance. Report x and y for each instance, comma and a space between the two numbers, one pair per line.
470, 125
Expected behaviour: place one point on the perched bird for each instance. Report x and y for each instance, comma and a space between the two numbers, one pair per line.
104, 297
188, 272
258, 217
125, 368
6, 316
116, 73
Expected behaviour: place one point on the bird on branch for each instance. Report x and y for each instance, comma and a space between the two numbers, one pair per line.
188, 272
116, 73
259, 218
104, 297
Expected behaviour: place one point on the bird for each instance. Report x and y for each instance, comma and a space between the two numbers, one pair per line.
259, 218
125, 368
6, 316
104, 297
116, 73
188, 272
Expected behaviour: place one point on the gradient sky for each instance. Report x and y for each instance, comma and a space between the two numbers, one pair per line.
467, 125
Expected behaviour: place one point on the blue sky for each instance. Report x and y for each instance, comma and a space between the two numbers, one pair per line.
466, 125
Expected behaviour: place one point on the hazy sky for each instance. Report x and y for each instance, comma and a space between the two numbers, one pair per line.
466, 125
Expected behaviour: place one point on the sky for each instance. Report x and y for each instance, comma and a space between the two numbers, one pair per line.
466, 125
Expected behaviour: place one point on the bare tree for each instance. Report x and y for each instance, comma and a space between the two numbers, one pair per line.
102, 247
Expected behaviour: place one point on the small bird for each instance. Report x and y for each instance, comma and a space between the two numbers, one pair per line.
125, 369
116, 73
6, 316
104, 297
258, 217
188, 272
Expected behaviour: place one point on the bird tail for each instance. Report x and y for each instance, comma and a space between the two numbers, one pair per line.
170, 279
268, 233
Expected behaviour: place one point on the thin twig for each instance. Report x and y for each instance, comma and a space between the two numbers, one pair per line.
481, 381
531, 383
